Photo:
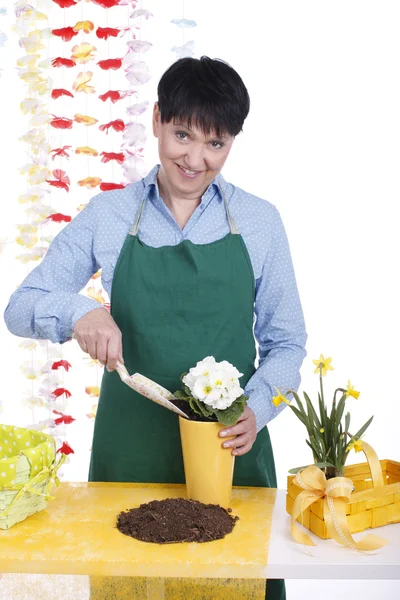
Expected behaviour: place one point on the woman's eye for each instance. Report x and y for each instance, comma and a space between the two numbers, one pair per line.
181, 133
218, 144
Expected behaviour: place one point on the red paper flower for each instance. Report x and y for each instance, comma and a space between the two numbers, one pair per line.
65, 3
107, 156
117, 125
66, 449
62, 152
56, 93
61, 363
113, 95
103, 33
106, 3
106, 187
61, 123
65, 33
110, 63
59, 218
63, 62
60, 391
61, 180
66, 419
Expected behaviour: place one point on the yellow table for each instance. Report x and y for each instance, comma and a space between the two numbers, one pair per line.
77, 535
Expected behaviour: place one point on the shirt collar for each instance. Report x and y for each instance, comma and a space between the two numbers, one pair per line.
150, 184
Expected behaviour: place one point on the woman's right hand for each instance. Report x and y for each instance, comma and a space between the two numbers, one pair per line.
98, 335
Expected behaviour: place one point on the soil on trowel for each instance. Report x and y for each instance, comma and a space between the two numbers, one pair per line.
184, 406
176, 520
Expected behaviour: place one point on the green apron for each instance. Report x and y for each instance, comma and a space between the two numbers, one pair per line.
175, 305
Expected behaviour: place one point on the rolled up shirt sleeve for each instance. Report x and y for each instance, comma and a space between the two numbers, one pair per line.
47, 304
279, 329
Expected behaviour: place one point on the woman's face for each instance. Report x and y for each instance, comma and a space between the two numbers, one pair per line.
189, 159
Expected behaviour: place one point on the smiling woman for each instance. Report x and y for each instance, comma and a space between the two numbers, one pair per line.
195, 267
196, 121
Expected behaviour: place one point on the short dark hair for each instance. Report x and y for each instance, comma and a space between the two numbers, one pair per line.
206, 91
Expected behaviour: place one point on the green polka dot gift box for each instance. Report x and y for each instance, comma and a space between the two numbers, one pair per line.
28, 469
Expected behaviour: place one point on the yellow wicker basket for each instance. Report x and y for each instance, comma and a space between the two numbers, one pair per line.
28, 468
361, 515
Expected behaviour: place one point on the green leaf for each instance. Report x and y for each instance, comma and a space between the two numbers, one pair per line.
320, 465
299, 414
363, 429
312, 411
187, 390
230, 415
347, 423
316, 457
299, 402
322, 411
340, 409
181, 395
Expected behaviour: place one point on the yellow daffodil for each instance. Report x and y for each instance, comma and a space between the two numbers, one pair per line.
278, 399
324, 364
322, 430
351, 391
356, 445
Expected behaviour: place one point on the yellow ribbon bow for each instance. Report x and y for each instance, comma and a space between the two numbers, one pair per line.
45, 474
336, 493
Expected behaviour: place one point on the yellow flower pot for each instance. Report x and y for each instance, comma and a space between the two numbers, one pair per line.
208, 466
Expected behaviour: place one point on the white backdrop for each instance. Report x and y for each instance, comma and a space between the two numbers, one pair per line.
322, 144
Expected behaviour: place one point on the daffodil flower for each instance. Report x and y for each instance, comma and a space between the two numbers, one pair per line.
356, 445
279, 398
323, 365
351, 391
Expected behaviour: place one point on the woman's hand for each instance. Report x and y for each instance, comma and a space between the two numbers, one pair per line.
98, 335
245, 431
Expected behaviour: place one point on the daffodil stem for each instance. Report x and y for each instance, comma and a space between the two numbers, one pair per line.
320, 384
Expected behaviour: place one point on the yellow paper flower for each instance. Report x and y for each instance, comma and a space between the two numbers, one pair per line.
28, 60
26, 239
91, 292
351, 391
86, 26
85, 119
32, 43
93, 391
27, 228
89, 182
278, 399
356, 445
82, 53
87, 150
81, 83
324, 364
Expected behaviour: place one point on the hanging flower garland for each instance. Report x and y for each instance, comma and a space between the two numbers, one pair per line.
185, 49
107, 153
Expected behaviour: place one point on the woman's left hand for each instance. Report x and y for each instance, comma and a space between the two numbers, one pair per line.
245, 431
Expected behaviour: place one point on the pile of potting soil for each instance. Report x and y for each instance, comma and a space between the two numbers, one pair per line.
176, 520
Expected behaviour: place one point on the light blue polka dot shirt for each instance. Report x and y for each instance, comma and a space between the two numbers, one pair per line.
48, 303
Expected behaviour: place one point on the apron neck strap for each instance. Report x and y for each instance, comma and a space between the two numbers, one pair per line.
232, 225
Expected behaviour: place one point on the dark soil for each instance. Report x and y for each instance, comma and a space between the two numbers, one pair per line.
176, 520
185, 407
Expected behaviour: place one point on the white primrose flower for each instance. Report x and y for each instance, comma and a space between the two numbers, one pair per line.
204, 367
215, 384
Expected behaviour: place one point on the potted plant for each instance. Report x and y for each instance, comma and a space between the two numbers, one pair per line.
367, 496
213, 399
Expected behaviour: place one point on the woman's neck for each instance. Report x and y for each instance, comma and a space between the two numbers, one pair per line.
180, 206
